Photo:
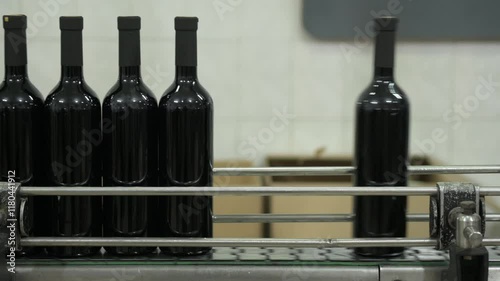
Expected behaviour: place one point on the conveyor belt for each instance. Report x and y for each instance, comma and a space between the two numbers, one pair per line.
239, 263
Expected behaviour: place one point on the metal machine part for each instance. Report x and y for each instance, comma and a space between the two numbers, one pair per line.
468, 226
244, 263
468, 258
286, 259
443, 208
240, 191
328, 171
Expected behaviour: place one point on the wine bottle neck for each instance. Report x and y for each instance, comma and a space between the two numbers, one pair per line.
130, 72
386, 72
17, 72
15, 47
72, 72
129, 48
71, 48
186, 48
384, 54
186, 73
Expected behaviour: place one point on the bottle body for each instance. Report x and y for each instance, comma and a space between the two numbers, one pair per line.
20, 112
381, 147
130, 149
21, 129
21, 144
381, 158
186, 157
72, 113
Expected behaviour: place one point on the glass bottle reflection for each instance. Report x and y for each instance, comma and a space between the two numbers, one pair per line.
381, 148
21, 128
186, 146
72, 113
130, 145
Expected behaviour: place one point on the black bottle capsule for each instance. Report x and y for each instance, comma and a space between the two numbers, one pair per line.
72, 115
21, 127
185, 146
381, 148
130, 145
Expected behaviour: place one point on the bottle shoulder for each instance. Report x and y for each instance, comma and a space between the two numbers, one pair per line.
182, 94
136, 93
383, 94
72, 95
20, 93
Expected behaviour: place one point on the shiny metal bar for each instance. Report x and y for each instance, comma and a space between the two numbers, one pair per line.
492, 217
226, 191
270, 218
282, 218
206, 271
290, 218
347, 170
491, 242
240, 191
228, 242
417, 217
489, 191
462, 169
284, 171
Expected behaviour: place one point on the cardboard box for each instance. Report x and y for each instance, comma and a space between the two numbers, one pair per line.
337, 204
231, 205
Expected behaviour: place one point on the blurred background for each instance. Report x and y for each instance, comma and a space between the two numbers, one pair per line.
283, 96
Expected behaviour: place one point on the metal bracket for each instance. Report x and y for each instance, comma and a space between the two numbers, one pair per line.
467, 264
448, 198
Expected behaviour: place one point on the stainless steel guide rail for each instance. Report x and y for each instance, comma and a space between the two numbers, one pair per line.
281, 218
221, 191
232, 191
244, 256
347, 170
232, 242
237, 242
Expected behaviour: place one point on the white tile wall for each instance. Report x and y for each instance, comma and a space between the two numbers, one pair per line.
319, 83
476, 142
434, 138
266, 77
10, 6
255, 58
478, 80
225, 141
426, 73
219, 70
43, 16
256, 139
311, 136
